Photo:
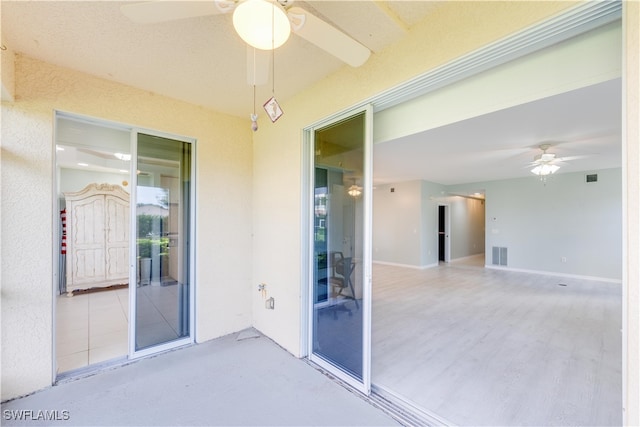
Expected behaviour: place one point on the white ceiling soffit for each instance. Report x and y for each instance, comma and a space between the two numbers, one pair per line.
576, 21
592, 57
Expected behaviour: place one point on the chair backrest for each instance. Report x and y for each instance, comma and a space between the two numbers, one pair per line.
335, 262
346, 267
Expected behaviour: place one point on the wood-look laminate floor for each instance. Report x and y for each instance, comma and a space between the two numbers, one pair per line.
480, 346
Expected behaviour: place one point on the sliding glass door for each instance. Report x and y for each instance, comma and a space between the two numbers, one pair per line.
339, 249
163, 217
125, 226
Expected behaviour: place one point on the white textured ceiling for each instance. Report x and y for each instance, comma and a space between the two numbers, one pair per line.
199, 60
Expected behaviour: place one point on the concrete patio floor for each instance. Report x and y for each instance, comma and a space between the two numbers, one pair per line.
227, 381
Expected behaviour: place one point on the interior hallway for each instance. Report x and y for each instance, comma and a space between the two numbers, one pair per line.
242, 379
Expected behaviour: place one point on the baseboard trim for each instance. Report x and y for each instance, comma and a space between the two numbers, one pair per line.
553, 273
415, 267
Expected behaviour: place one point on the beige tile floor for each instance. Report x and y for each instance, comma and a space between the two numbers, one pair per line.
91, 328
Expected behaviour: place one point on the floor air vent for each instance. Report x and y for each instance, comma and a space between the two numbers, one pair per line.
499, 256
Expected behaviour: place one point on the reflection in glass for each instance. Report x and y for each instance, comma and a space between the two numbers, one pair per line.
162, 211
338, 227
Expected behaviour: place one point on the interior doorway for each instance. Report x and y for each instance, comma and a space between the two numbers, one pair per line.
443, 233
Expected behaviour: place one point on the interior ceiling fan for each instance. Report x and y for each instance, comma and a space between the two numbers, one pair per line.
547, 163
247, 14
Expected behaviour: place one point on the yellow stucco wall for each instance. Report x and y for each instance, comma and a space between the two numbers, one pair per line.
224, 170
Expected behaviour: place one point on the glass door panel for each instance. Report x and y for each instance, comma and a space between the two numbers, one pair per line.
341, 258
163, 194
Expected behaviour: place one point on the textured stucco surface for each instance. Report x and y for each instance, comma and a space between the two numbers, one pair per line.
8, 74
224, 170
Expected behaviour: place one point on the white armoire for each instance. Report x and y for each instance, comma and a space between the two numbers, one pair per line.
97, 237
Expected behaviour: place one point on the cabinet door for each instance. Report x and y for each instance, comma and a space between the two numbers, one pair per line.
87, 238
117, 238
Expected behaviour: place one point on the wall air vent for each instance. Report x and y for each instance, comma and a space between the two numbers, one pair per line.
499, 256
592, 177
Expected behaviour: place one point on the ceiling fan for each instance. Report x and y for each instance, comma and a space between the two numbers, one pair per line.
277, 13
547, 163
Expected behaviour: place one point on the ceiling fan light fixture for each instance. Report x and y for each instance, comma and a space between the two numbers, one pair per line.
262, 24
545, 169
354, 191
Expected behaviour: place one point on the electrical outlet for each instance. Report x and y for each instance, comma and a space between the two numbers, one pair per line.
270, 304
563, 259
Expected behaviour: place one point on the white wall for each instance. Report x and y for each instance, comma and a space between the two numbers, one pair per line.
566, 218
398, 223
405, 224
223, 179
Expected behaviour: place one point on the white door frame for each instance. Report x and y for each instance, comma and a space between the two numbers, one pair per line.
363, 386
190, 339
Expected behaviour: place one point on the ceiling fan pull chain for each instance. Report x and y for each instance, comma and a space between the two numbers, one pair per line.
272, 107
254, 116
273, 50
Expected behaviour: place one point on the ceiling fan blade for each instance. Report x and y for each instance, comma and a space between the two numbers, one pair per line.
258, 65
152, 12
568, 158
327, 37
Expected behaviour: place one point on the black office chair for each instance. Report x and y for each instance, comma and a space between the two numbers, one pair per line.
341, 272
